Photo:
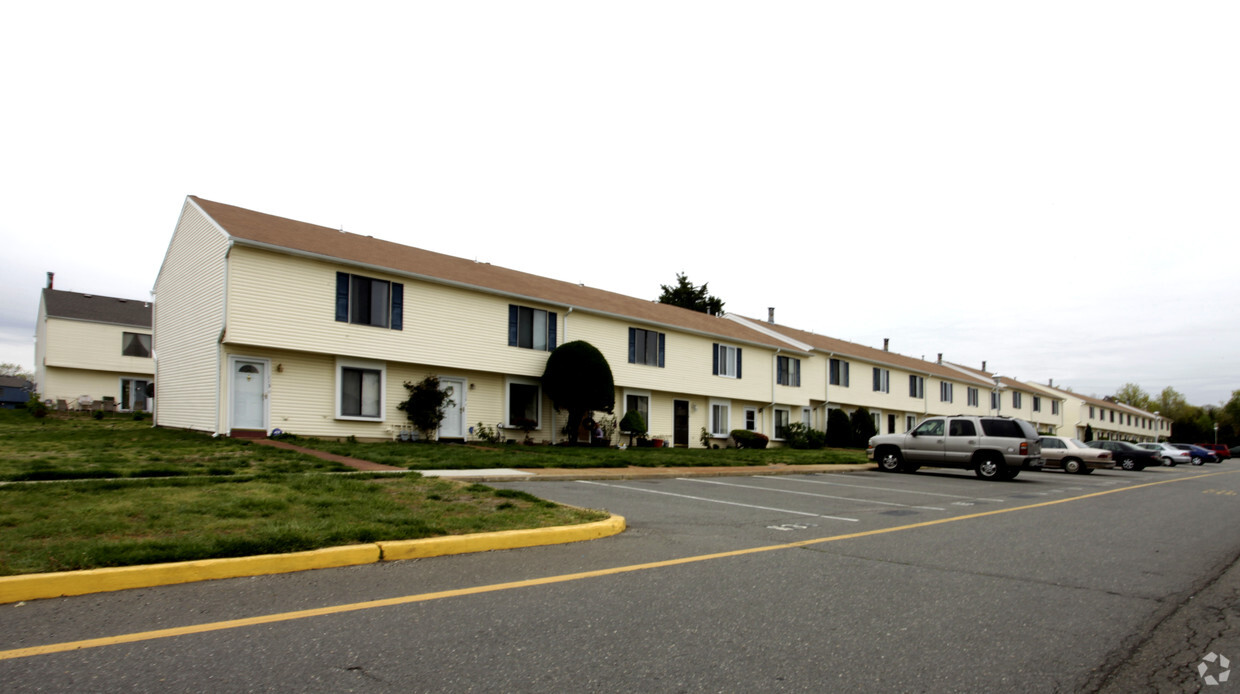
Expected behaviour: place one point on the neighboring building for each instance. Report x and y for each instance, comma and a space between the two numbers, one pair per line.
266, 323
1013, 398
93, 349
1107, 419
14, 392
898, 391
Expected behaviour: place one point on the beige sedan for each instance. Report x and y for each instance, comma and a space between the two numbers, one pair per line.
1070, 455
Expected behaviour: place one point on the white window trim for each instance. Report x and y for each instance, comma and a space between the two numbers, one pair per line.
508, 381
711, 418
380, 366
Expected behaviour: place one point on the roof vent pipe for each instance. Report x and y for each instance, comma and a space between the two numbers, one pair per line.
983, 365
1050, 382
940, 357
770, 314
51, 277
886, 343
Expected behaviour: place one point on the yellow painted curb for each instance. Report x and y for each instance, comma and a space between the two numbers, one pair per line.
53, 585
504, 539
65, 583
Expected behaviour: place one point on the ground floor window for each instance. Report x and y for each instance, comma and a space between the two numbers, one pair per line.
751, 419
639, 402
781, 424
720, 418
134, 394
524, 405
360, 391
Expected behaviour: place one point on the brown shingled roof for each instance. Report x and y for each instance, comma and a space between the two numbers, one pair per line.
247, 226
93, 307
832, 345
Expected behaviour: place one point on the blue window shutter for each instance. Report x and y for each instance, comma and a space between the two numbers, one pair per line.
398, 306
342, 297
662, 339
714, 353
551, 330
738, 362
512, 325
632, 345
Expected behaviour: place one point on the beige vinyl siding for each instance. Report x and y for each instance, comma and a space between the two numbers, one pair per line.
188, 318
288, 302
302, 395
87, 345
69, 384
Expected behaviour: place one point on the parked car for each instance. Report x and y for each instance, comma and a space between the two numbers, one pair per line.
995, 448
1222, 451
1070, 455
1170, 454
1199, 454
1128, 456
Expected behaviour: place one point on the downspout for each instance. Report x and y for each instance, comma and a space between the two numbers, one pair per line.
219, 345
774, 382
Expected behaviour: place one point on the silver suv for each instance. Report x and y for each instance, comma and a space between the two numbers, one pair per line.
996, 448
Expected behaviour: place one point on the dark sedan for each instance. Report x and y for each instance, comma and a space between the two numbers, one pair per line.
1128, 456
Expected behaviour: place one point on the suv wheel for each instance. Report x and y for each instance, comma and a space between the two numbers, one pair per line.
991, 468
1072, 465
889, 460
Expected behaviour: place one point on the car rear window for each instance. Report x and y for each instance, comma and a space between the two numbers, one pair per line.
1008, 428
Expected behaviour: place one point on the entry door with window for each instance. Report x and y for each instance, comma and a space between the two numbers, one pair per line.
453, 424
680, 423
133, 395
249, 395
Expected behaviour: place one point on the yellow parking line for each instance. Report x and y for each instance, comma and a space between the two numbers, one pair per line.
425, 597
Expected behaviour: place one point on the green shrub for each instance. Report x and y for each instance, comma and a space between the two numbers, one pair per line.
839, 429
749, 439
863, 428
633, 424
802, 437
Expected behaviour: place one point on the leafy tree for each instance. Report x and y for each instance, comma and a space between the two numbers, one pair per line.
1131, 394
862, 424
425, 405
9, 369
1171, 404
686, 295
578, 380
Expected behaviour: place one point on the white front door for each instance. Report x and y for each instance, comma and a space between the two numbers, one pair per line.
249, 389
453, 424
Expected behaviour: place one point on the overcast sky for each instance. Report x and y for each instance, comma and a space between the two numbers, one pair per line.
1052, 187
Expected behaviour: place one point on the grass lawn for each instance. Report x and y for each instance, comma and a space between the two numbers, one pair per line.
241, 499
423, 456
77, 446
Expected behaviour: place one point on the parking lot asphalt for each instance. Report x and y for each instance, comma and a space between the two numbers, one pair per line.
66, 583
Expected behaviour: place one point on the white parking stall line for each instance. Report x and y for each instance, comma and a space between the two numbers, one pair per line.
881, 489
820, 496
717, 501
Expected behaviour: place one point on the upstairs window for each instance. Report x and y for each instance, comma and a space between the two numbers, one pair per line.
945, 392
1016, 400
788, 371
916, 386
646, 347
368, 301
136, 345
1054, 407
1037, 404
972, 395
882, 380
531, 328
839, 373
726, 361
